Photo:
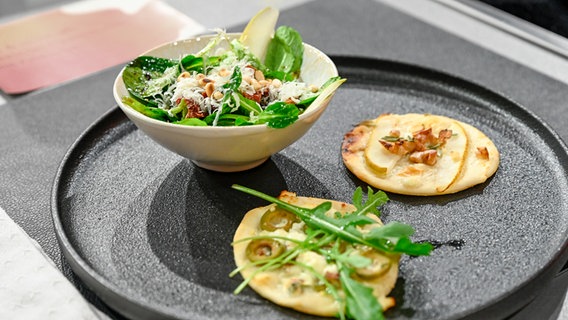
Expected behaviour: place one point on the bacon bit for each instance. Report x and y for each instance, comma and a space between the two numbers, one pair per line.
393, 147
482, 153
331, 275
444, 135
193, 110
409, 146
255, 96
424, 136
421, 147
428, 157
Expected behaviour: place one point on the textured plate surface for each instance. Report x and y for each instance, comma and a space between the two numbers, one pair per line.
150, 232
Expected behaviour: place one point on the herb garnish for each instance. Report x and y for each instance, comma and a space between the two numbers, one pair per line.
325, 235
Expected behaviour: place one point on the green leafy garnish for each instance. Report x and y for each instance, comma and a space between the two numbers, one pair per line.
195, 84
325, 235
285, 53
146, 76
152, 112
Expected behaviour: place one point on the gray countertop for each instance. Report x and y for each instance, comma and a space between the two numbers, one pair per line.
37, 128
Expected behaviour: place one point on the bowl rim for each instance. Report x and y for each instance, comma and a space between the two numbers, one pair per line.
131, 112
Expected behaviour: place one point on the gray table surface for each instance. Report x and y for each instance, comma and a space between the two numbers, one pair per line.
36, 129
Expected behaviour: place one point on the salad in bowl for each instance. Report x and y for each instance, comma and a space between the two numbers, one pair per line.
229, 101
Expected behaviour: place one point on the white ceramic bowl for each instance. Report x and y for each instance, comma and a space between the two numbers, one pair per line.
228, 149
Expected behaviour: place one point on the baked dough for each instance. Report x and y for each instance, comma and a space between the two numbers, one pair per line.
452, 155
292, 286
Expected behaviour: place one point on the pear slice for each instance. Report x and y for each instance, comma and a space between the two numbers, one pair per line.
259, 31
378, 158
401, 175
326, 94
476, 168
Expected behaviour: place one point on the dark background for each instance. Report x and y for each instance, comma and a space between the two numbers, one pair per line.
548, 14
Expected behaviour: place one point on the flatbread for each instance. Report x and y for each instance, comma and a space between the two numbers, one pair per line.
464, 159
281, 285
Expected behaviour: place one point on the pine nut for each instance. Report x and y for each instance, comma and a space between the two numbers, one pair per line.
218, 95
258, 75
209, 88
183, 75
224, 72
276, 83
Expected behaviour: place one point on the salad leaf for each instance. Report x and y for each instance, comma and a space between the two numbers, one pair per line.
243, 52
285, 53
228, 102
386, 240
306, 102
248, 106
199, 64
361, 304
325, 235
148, 76
278, 115
152, 112
192, 122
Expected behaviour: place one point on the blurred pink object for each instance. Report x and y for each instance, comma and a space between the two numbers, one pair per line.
75, 40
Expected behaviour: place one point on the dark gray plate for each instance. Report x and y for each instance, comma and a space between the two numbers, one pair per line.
150, 233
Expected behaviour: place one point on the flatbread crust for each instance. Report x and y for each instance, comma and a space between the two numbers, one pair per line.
459, 166
275, 285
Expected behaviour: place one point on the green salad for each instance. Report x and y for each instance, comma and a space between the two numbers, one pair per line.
224, 85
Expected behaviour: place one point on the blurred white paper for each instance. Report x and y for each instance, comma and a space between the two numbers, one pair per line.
75, 40
31, 287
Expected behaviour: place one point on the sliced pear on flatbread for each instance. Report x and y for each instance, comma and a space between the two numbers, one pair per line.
458, 166
477, 167
379, 159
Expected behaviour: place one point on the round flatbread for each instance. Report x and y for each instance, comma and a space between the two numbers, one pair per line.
293, 286
419, 154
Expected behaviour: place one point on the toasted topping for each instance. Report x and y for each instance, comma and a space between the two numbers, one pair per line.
419, 154
428, 157
421, 146
482, 153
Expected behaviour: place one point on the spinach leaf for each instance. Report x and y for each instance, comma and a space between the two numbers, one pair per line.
154, 113
285, 53
145, 76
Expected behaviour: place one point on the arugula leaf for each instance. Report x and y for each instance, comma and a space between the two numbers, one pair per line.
374, 200
386, 240
285, 52
360, 304
228, 102
396, 236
